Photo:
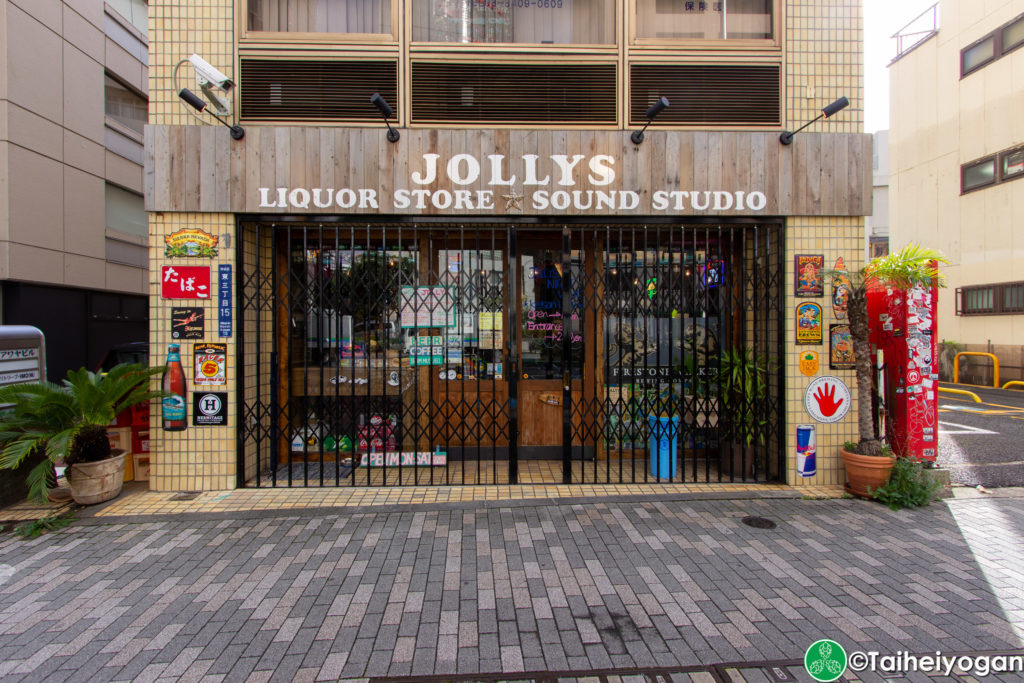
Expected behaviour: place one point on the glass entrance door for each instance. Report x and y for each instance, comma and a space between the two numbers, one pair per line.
549, 344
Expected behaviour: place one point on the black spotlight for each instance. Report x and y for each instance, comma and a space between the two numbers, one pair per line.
386, 110
842, 103
197, 103
660, 105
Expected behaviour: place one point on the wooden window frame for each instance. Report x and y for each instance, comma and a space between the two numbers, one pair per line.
247, 37
998, 291
724, 44
426, 46
993, 159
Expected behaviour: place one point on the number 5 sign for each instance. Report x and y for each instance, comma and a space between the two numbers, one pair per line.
828, 399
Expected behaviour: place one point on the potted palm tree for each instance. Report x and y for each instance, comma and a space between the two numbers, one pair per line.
68, 423
868, 461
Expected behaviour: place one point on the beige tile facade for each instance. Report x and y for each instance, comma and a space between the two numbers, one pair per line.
199, 458
822, 43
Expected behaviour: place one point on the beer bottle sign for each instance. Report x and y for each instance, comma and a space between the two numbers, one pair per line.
173, 403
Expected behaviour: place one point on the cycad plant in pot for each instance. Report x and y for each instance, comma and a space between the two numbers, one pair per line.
68, 422
867, 461
743, 381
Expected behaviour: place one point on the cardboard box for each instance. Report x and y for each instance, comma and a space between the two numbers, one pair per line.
121, 437
141, 467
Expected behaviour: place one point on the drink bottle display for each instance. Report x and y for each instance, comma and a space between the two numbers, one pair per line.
173, 405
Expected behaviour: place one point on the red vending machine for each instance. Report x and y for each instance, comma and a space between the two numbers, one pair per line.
903, 330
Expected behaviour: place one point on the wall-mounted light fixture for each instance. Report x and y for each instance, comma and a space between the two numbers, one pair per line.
197, 103
659, 106
842, 103
387, 112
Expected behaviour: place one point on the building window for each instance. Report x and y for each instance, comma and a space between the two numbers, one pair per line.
124, 106
978, 55
1013, 35
557, 22
1000, 42
704, 19
135, 11
1011, 164
998, 299
977, 174
126, 212
320, 16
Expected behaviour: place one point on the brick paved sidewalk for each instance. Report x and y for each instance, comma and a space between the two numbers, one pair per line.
537, 587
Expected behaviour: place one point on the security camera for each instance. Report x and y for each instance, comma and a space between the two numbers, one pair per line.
208, 75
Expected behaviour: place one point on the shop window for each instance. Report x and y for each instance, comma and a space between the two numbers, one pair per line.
320, 16
558, 22
998, 299
124, 105
704, 19
977, 174
1011, 164
977, 55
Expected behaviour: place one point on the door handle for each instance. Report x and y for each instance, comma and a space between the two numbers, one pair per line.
549, 399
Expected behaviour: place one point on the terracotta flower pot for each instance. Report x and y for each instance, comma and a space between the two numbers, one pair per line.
863, 471
97, 482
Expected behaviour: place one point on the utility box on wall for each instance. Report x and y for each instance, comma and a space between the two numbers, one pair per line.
22, 360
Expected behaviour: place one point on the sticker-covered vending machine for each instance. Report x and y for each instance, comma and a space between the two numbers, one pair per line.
903, 330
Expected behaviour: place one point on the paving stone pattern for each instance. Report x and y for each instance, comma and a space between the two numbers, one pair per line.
441, 590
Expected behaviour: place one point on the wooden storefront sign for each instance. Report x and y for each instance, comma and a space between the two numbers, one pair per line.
310, 170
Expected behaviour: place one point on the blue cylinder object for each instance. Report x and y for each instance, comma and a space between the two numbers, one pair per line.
662, 445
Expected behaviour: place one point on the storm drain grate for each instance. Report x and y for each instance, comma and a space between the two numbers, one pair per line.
759, 522
186, 495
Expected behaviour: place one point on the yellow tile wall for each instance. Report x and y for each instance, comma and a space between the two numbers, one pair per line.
831, 237
176, 30
824, 59
199, 458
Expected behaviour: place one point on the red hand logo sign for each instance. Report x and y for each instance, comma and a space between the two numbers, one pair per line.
826, 398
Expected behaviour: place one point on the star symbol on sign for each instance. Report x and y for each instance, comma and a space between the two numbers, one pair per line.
512, 201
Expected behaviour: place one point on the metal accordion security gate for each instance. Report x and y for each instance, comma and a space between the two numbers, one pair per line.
447, 354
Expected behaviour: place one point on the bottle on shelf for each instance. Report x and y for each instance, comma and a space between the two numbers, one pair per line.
173, 404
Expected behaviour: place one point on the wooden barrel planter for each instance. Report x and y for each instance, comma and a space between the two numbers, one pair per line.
99, 481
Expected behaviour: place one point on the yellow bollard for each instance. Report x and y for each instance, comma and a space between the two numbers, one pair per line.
995, 366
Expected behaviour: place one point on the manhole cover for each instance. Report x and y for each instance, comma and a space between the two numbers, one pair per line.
758, 522
186, 495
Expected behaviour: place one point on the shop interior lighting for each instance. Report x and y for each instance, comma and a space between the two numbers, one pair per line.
659, 106
387, 112
200, 105
842, 103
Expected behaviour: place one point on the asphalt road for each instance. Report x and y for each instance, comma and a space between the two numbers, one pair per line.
982, 443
